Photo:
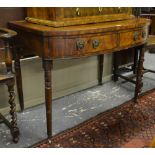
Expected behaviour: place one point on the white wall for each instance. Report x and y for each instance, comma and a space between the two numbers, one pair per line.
69, 76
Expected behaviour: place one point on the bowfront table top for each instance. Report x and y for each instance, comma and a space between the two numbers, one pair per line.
80, 29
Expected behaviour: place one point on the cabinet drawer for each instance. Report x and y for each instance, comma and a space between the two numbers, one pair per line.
82, 45
132, 37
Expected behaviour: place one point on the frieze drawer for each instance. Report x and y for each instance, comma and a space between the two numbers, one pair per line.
82, 46
132, 37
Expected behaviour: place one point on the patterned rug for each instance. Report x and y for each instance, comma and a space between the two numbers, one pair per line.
129, 125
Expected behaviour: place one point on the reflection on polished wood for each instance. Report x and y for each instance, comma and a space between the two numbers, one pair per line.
58, 17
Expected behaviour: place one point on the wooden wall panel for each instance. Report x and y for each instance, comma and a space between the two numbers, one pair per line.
153, 23
9, 14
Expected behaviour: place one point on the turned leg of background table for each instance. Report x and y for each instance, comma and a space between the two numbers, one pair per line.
47, 66
139, 71
11, 83
19, 79
13, 127
100, 68
135, 61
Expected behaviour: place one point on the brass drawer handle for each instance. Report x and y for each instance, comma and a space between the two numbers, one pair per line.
80, 44
135, 36
143, 34
96, 43
77, 12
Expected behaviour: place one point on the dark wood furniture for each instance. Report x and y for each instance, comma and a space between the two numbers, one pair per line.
8, 78
10, 14
67, 42
150, 47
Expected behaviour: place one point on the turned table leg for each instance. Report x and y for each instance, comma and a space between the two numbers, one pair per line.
135, 60
139, 76
14, 128
11, 83
100, 68
16, 56
47, 66
19, 81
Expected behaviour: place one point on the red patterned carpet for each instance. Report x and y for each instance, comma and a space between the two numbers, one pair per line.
129, 125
